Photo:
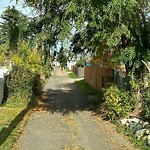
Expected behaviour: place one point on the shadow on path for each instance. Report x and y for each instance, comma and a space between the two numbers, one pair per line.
66, 99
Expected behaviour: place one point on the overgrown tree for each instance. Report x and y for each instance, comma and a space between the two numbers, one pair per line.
115, 29
61, 58
13, 27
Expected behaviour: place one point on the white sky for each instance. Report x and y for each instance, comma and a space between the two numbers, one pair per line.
5, 3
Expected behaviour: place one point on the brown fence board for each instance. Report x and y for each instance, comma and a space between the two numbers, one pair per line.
97, 76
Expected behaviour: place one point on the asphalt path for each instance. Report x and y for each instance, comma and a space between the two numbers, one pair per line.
66, 121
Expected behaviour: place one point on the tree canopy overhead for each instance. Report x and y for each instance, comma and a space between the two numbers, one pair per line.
117, 30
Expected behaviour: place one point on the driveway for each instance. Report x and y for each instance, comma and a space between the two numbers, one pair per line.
66, 122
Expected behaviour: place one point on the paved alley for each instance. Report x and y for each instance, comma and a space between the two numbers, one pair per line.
66, 122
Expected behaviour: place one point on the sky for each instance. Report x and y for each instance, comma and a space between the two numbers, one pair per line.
5, 3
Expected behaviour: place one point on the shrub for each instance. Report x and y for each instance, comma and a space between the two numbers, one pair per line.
22, 84
146, 100
19, 83
22, 80
146, 104
117, 103
80, 63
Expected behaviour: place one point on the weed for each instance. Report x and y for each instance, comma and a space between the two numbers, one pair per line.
89, 90
138, 143
72, 75
86, 88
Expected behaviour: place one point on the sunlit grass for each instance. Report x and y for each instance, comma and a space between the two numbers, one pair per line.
89, 90
11, 118
72, 75
7, 115
86, 88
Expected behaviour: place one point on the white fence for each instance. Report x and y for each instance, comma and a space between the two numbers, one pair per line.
71, 63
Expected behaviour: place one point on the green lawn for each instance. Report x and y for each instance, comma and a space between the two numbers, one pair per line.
12, 116
72, 75
86, 88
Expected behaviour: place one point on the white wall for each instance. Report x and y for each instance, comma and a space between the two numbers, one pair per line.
3, 72
69, 64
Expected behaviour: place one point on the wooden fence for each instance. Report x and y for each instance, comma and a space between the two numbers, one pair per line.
98, 77
79, 71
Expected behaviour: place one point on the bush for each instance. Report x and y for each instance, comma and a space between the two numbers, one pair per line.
146, 99
117, 103
146, 104
80, 63
19, 83
24, 78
